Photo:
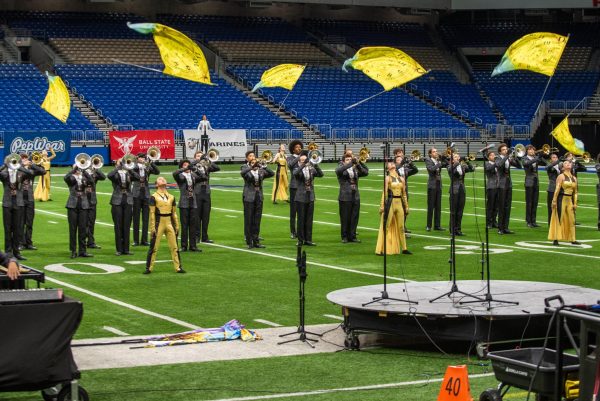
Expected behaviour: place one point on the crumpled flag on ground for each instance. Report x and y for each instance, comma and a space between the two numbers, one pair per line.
232, 330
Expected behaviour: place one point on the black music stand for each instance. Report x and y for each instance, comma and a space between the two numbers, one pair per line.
488, 295
386, 211
301, 331
454, 289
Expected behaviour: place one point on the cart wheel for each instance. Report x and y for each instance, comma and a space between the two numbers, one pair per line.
491, 394
48, 397
355, 344
65, 394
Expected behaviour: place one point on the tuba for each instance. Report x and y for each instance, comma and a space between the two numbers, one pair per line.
128, 162
364, 154
36, 158
13, 161
97, 162
83, 161
212, 155
153, 153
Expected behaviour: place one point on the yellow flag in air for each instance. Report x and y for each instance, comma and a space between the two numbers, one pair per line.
563, 135
388, 66
57, 101
282, 75
538, 52
182, 57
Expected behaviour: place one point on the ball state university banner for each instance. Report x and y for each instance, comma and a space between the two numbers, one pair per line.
231, 143
27, 142
138, 141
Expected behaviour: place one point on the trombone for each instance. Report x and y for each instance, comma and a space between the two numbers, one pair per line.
586, 157
546, 150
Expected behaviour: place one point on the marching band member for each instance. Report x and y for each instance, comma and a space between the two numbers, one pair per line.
405, 168
95, 175
598, 188
121, 205
491, 175
203, 167
253, 173
553, 170
504, 161
11, 264
394, 205
12, 177
163, 221
29, 208
305, 173
280, 185
457, 172
42, 188
295, 148
141, 197
348, 172
434, 189
77, 210
204, 126
576, 167
532, 185
187, 178
562, 224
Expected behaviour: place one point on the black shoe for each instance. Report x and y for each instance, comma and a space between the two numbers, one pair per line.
250, 246
147, 271
575, 242
508, 232
258, 245
459, 233
427, 228
274, 202
145, 243
183, 249
555, 243
577, 223
406, 252
195, 250
180, 270
529, 225
31, 248
118, 253
94, 246
500, 232
73, 255
86, 255
344, 241
135, 244
535, 225
127, 253
407, 231
309, 243
20, 257
208, 241
293, 235
355, 240
439, 229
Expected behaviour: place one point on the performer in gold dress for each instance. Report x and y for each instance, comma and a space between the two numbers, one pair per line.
42, 189
564, 204
280, 185
394, 200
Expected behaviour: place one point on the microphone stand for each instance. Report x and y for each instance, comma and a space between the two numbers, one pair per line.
488, 295
386, 209
454, 289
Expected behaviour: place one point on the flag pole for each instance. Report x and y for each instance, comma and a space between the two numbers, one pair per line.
364, 100
136, 65
283, 101
574, 108
24, 96
543, 94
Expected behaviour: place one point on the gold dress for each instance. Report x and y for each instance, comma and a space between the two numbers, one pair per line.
42, 188
280, 184
562, 227
163, 221
395, 238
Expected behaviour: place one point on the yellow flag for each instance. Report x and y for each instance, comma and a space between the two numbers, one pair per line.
386, 65
563, 135
537, 52
182, 57
282, 75
57, 101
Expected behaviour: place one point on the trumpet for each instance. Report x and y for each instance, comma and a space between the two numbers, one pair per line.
546, 150
13, 161
449, 151
415, 155
312, 146
266, 156
83, 161
36, 158
518, 151
153, 154
364, 154
128, 162
471, 157
97, 162
315, 157
586, 157
212, 155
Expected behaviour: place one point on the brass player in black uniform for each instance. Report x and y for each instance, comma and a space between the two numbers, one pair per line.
141, 196
295, 147
504, 161
187, 178
348, 172
94, 172
434, 164
457, 171
29, 208
553, 170
405, 168
253, 172
77, 209
121, 201
491, 176
305, 172
203, 166
530, 162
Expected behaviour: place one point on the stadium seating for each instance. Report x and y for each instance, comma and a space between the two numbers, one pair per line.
270, 52
103, 51
151, 100
23, 91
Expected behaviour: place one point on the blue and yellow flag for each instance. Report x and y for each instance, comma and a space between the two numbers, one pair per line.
57, 101
563, 135
282, 75
538, 52
182, 57
388, 66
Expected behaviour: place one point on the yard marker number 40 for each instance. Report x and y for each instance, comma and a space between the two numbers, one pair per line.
455, 386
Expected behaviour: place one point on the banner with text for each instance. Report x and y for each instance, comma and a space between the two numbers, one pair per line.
138, 141
28, 142
231, 143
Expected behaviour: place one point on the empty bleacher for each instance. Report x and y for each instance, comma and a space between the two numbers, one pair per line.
270, 52
103, 51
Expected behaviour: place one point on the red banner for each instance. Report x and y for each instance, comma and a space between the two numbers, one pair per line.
134, 142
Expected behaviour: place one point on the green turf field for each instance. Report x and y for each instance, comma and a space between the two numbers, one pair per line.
228, 281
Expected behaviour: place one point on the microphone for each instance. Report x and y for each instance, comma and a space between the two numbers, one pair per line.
491, 145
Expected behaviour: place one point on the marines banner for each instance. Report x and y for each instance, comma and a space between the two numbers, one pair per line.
231, 143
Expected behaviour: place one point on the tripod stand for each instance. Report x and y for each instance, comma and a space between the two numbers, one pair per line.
454, 289
301, 264
488, 295
386, 211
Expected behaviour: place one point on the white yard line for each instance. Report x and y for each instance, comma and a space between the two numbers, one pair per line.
115, 331
268, 323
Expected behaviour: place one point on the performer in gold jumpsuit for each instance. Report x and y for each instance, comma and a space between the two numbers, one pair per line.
163, 220
280, 185
564, 204
42, 189
394, 197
